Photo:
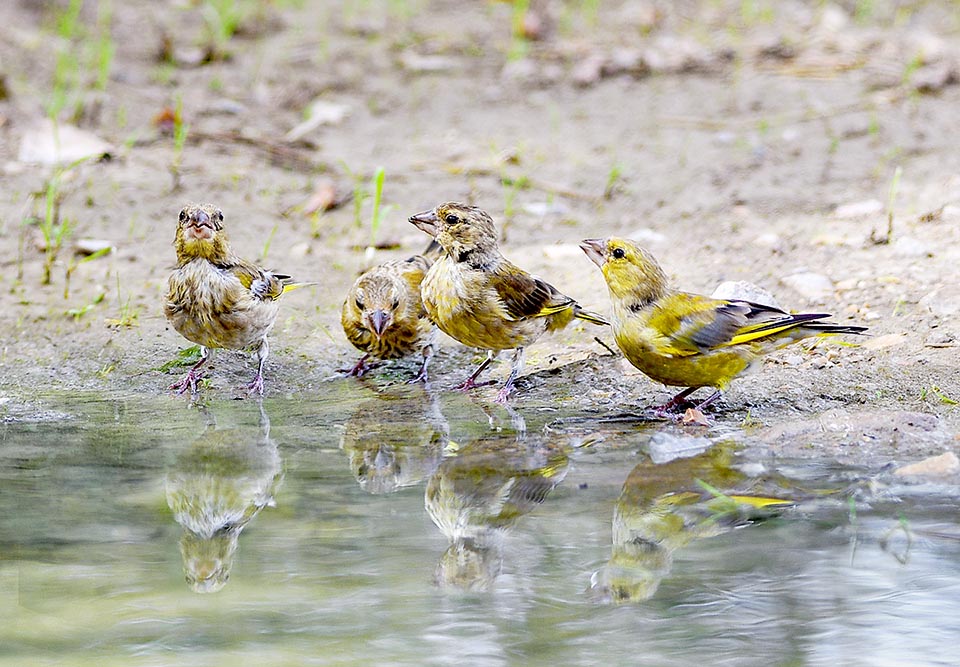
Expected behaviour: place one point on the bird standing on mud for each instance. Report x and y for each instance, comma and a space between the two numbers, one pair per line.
687, 340
383, 315
217, 299
481, 299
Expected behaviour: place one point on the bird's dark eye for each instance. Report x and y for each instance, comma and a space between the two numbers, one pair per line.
359, 304
183, 215
396, 303
220, 215
618, 253
451, 219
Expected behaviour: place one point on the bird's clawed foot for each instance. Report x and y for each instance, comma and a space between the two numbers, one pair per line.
189, 381
470, 383
504, 393
678, 408
256, 387
359, 369
419, 377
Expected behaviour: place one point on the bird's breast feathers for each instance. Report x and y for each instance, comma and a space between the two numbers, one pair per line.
465, 305
211, 306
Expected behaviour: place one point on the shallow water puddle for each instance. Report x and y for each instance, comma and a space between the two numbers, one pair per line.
407, 528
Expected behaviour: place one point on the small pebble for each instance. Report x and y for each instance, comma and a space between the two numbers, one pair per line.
907, 246
935, 466
858, 209
745, 291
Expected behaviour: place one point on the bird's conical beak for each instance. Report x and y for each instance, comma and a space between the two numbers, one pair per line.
426, 221
199, 225
594, 248
379, 321
200, 217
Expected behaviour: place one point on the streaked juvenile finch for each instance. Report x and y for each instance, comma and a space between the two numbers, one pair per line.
477, 296
687, 340
383, 315
215, 298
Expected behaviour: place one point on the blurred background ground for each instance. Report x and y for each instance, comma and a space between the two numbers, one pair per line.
808, 147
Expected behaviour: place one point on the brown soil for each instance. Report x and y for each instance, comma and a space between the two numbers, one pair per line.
740, 138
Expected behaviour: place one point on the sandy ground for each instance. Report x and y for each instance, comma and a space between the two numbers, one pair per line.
738, 141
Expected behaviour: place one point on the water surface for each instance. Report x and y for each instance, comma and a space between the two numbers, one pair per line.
403, 528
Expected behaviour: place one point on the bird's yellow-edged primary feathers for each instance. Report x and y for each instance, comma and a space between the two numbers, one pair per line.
216, 299
383, 315
480, 298
687, 340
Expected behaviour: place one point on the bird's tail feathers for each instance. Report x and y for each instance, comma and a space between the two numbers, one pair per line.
804, 323
589, 316
289, 287
831, 329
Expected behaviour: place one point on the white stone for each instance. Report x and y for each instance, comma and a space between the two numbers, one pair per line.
320, 112
942, 301
745, 291
907, 246
665, 447
859, 209
935, 466
46, 143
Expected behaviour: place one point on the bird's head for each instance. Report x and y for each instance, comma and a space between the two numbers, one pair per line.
207, 561
464, 232
378, 297
200, 234
631, 272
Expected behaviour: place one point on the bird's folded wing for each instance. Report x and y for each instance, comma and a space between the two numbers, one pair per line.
524, 296
262, 283
691, 324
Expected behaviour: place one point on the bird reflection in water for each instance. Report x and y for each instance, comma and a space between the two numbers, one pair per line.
395, 440
663, 507
217, 485
476, 496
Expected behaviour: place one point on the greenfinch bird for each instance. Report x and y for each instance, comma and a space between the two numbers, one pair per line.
478, 297
215, 298
383, 315
688, 340
395, 440
476, 497
666, 506
218, 484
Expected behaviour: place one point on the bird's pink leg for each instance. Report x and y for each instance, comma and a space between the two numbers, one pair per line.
359, 369
670, 407
471, 382
189, 381
256, 386
507, 388
422, 375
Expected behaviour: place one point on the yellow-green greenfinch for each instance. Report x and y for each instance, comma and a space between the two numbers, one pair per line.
480, 298
665, 506
688, 340
218, 485
476, 497
215, 298
383, 315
